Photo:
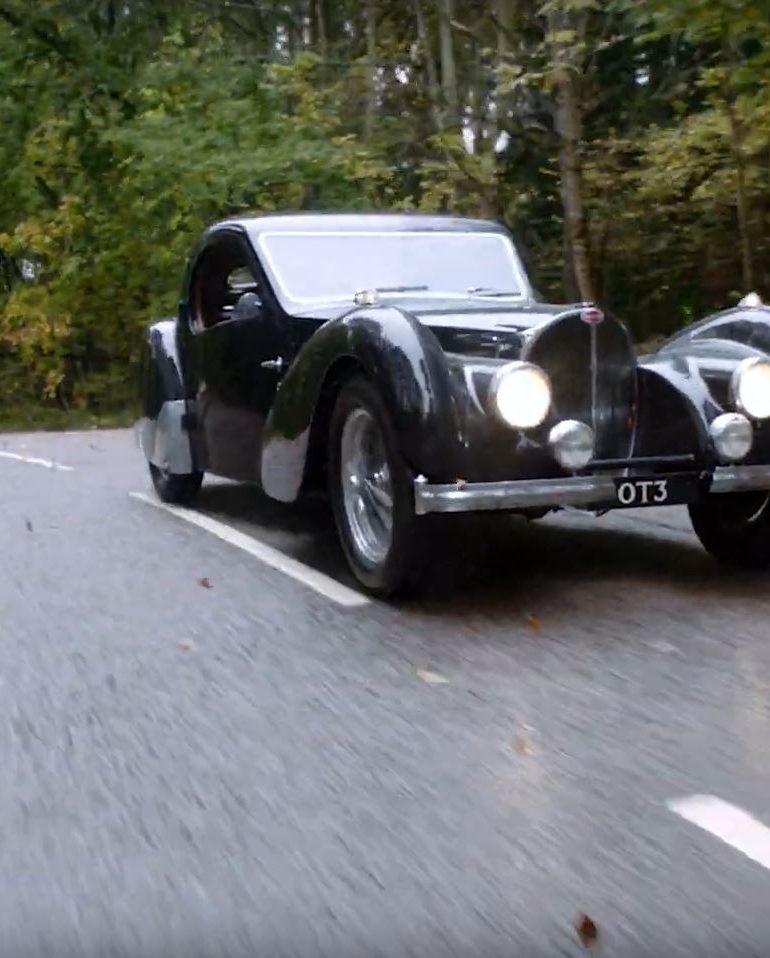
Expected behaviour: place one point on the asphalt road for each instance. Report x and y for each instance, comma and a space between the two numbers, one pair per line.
245, 766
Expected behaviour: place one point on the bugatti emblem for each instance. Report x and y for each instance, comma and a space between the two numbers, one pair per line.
592, 316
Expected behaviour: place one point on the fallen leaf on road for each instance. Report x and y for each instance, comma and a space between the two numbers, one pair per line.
534, 623
587, 931
432, 678
460, 483
521, 744
185, 646
204, 582
29, 525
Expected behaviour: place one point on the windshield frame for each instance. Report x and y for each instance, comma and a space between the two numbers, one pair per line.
293, 303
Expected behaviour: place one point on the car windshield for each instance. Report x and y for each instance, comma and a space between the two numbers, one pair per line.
314, 267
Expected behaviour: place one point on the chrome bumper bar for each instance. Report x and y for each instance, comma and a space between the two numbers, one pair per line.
580, 491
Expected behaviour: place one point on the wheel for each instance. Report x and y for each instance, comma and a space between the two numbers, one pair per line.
372, 495
177, 489
735, 528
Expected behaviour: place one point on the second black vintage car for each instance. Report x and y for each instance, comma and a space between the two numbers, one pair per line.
404, 363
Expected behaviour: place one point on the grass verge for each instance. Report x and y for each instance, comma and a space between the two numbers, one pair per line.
38, 418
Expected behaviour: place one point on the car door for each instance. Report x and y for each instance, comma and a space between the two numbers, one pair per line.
240, 336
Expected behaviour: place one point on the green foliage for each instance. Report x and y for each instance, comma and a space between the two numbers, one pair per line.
130, 126
127, 196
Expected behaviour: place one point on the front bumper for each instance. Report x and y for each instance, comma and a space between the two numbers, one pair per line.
577, 491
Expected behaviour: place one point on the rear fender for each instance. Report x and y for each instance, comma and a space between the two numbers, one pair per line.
167, 431
404, 360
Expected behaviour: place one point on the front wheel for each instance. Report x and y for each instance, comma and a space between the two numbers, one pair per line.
735, 528
176, 489
372, 494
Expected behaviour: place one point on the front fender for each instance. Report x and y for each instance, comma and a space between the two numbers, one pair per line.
703, 371
402, 357
166, 432
675, 408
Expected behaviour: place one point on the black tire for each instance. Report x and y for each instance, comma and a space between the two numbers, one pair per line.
734, 528
403, 568
176, 489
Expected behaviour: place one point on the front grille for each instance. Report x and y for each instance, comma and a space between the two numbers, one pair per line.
593, 376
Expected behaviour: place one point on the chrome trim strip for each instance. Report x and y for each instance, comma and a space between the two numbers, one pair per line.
594, 376
741, 478
515, 494
568, 491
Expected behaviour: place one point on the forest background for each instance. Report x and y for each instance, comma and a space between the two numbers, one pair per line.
625, 143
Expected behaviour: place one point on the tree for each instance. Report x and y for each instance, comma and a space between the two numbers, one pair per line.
566, 38
625, 144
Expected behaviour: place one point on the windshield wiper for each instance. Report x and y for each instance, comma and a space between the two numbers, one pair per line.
490, 291
400, 289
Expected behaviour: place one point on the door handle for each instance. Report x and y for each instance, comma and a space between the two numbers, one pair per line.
277, 363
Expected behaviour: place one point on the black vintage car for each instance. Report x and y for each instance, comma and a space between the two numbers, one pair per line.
404, 363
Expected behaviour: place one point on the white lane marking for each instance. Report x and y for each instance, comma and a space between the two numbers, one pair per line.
33, 461
728, 823
323, 584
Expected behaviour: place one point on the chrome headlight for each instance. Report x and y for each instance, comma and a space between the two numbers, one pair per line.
572, 443
521, 395
750, 387
732, 436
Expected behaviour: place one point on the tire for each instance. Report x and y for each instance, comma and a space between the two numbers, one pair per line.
176, 489
397, 564
734, 528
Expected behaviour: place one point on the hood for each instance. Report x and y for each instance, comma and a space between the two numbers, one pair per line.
483, 327
472, 326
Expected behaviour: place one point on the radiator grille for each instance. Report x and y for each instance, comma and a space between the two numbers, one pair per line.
593, 375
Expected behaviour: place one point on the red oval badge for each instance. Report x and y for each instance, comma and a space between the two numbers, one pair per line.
592, 316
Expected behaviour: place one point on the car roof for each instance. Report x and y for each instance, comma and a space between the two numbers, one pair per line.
751, 313
364, 222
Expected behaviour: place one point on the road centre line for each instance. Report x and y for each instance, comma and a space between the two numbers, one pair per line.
727, 822
320, 583
34, 461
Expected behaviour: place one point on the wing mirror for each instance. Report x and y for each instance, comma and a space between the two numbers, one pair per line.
248, 308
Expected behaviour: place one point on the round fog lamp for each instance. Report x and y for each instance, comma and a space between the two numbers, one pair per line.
521, 394
572, 443
751, 388
732, 436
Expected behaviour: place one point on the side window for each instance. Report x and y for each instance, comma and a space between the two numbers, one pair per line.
738, 329
221, 276
759, 337
720, 330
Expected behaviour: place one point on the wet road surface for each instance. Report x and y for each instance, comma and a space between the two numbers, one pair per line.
205, 755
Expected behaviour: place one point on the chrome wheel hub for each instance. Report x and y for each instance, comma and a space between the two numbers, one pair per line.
367, 491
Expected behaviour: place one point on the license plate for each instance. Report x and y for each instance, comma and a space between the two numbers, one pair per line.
655, 491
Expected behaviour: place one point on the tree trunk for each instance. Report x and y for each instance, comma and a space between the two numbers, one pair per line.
741, 198
318, 19
434, 91
505, 18
448, 69
576, 228
370, 117
568, 125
